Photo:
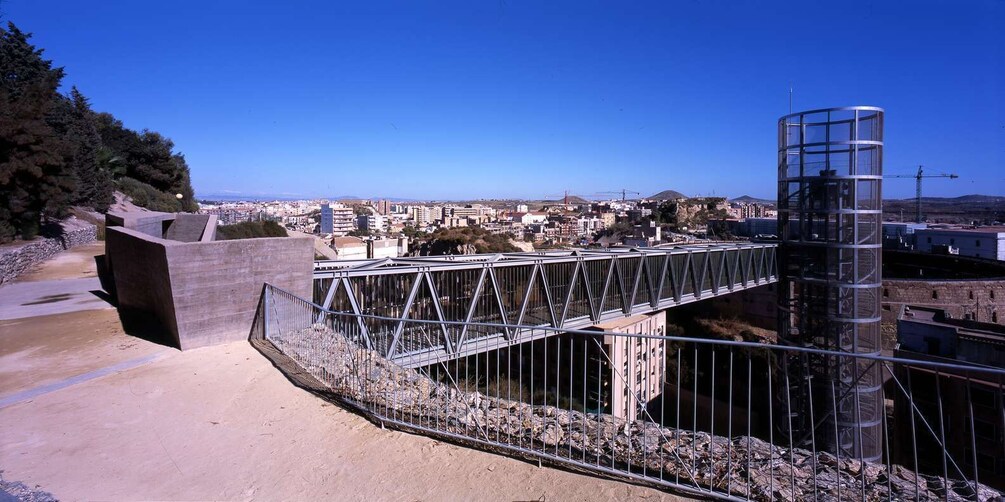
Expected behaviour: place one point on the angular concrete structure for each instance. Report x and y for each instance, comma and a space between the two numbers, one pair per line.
202, 292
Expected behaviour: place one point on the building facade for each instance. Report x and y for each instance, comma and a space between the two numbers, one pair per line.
336, 219
988, 242
968, 407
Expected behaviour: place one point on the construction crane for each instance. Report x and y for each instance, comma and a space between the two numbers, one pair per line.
624, 192
917, 194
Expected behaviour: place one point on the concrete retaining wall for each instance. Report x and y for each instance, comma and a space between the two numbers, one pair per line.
15, 259
204, 293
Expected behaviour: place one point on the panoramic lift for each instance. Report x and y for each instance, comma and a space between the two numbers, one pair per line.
917, 194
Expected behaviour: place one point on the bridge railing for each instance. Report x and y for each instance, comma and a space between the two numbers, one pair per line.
566, 289
716, 418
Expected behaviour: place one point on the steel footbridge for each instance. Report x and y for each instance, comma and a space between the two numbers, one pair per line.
477, 299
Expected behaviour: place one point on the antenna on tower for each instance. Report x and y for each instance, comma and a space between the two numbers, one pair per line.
790, 99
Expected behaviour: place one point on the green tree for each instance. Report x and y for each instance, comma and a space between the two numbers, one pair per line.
147, 167
250, 230
94, 180
35, 181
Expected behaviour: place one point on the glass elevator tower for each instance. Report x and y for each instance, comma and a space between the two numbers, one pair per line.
830, 169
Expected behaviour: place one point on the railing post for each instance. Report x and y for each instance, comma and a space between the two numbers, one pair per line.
266, 299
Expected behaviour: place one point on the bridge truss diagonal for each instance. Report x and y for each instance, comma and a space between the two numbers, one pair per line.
466, 294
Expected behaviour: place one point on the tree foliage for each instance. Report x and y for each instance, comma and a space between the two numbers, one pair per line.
55, 151
35, 181
450, 240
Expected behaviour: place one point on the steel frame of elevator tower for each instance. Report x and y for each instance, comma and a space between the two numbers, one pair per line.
830, 217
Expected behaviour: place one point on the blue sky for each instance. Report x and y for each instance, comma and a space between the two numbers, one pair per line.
528, 99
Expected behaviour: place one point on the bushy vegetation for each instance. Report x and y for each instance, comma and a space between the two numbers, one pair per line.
250, 230
445, 240
145, 195
56, 152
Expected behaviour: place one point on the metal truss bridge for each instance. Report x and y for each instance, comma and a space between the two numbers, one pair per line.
467, 294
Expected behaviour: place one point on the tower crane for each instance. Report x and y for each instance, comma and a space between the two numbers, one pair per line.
917, 194
624, 192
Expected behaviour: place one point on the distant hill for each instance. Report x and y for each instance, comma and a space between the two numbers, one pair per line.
976, 198
573, 199
746, 199
668, 195
962, 209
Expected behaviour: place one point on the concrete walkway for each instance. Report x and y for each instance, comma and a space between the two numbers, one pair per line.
37, 298
67, 282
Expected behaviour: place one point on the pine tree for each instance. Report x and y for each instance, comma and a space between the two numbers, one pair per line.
35, 182
94, 182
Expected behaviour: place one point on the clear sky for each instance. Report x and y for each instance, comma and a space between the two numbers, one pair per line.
507, 98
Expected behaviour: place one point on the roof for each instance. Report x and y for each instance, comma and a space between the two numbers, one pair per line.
978, 230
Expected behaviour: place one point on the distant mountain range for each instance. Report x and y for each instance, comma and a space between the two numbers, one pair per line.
972, 198
575, 199
268, 196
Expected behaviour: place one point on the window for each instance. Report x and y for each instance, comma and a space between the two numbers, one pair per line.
886, 293
935, 295
982, 397
994, 317
952, 242
984, 430
978, 243
971, 295
929, 240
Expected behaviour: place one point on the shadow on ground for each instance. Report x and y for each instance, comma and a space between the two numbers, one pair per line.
145, 326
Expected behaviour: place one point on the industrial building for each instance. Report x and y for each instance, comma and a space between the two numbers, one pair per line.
981, 242
900, 235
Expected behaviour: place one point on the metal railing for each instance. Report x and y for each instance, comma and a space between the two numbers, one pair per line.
697, 415
557, 289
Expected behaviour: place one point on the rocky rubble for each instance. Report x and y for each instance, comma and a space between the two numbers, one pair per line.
742, 466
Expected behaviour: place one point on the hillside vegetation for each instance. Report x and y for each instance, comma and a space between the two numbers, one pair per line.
250, 230
56, 152
467, 240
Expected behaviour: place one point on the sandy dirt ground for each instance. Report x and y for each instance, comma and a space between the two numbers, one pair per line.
221, 423
41, 351
88, 412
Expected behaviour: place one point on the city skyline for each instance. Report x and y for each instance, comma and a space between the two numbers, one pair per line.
464, 102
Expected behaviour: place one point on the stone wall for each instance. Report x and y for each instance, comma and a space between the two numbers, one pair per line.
973, 299
15, 259
742, 466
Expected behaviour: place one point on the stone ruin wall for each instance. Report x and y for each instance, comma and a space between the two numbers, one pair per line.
20, 257
980, 300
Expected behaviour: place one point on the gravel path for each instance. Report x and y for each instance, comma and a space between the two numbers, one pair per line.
17, 491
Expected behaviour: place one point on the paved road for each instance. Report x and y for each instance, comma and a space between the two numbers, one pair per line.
38, 298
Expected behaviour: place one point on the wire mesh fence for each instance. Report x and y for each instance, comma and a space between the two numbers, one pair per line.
709, 417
